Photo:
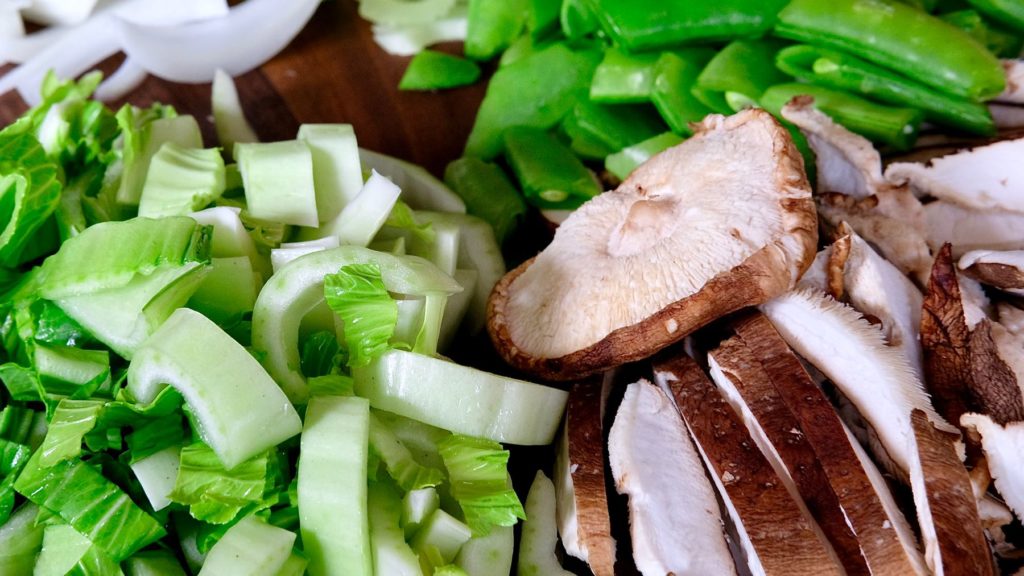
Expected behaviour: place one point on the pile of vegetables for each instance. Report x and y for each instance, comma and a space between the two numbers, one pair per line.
225, 361
583, 91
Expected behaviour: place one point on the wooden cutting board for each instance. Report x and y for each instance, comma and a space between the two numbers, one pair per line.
331, 72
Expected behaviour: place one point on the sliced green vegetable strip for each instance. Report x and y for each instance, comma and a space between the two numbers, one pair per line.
536, 91
439, 539
241, 410
20, 541
840, 71
403, 469
71, 421
430, 70
1000, 42
675, 75
641, 25
90, 503
181, 180
488, 194
145, 131
358, 296
337, 174
492, 25
542, 17
249, 548
478, 473
13, 457
228, 116
537, 547
489, 554
298, 288
577, 19
157, 473
461, 399
611, 127
897, 127
550, 175
228, 291
1009, 12
332, 486
623, 77
737, 76
213, 494
899, 37
65, 551
391, 554
278, 179
153, 563
29, 193
626, 160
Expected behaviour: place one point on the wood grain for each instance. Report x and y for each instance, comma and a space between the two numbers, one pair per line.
331, 72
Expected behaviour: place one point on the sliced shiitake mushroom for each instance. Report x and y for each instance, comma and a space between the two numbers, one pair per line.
722, 221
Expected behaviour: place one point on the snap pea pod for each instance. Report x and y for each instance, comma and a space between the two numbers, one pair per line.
1000, 42
492, 26
626, 160
578, 19
622, 77
542, 17
487, 193
897, 127
641, 25
550, 175
536, 91
1009, 12
430, 70
597, 130
840, 71
737, 76
899, 37
675, 75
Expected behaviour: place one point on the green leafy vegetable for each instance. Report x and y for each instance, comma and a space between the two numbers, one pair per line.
30, 192
358, 296
477, 470
212, 493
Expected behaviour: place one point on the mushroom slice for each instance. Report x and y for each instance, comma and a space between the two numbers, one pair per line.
984, 178
776, 431
969, 230
1004, 452
776, 533
1002, 269
1011, 318
852, 353
846, 163
674, 519
1007, 116
771, 380
895, 223
722, 221
1014, 91
583, 517
947, 511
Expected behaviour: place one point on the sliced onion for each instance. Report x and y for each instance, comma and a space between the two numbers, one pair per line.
401, 12
248, 36
165, 13
410, 39
122, 81
11, 26
59, 12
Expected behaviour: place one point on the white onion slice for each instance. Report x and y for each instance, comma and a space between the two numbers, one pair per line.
11, 26
73, 53
410, 39
125, 79
59, 12
403, 12
165, 13
23, 48
248, 36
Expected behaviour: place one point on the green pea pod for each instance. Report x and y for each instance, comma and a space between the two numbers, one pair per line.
577, 19
542, 17
899, 37
622, 77
487, 193
1000, 42
549, 174
841, 71
640, 25
897, 127
430, 70
492, 26
626, 160
1008, 12
597, 130
737, 76
675, 75
537, 90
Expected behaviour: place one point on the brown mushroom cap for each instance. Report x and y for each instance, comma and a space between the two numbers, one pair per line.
722, 221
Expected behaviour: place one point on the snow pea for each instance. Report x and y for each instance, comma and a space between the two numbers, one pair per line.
488, 194
622, 77
597, 130
577, 19
639, 25
1000, 42
899, 37
1009, 12
675, 75
430, 70
897, 127
492, 26
737, 76
626, 160
550, 175
841, 71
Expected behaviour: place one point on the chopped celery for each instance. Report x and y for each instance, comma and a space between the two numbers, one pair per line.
249, 548
240, 409
391, 554
417, 506
156, 473
430, 70
420, 189
298, 288
440, 538
490, 554
228, 118
461, 399
278, 180
20, 540
336, 169
623, 162
361, 218
142, 142
228, 290
181, 180
332, 486
540, 536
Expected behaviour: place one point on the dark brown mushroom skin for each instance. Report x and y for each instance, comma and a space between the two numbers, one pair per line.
783, 537
1002, 276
